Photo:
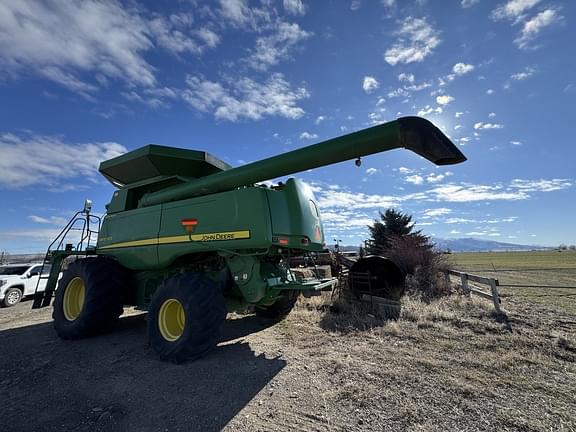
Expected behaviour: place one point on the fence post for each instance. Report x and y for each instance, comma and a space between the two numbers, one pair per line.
495, 295
447, 278
464, 279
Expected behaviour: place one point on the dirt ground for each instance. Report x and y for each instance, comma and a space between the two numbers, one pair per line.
450, 365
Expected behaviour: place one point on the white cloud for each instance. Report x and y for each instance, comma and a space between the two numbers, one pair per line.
295, 7
427, 110
336, 199
541, 185
435, 178
437, 212
489, 92
47, 161
271, 50
416, 41
370, 84
52, 220
516, 143
245, 98
468, 3
240, 15
81, 45
444, 99
513, 9
60, 39
406, 77
492, 115
471, 193
308, 136
462, 68
372, 171
458, 127
532, 27
481, 126
458, 114
404, 170
414, 179
319, 120
526, 73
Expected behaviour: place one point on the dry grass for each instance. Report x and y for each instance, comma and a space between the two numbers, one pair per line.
450, 364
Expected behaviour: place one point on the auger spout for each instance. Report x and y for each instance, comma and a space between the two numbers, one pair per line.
413, 133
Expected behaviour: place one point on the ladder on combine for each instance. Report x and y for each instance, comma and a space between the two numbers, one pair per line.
77, 238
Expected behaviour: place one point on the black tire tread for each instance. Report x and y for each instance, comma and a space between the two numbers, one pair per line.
205, 310
105, 284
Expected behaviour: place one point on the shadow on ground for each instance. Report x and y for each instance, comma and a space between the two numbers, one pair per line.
115, 382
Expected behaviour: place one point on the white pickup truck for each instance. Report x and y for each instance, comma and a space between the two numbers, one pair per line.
19, 280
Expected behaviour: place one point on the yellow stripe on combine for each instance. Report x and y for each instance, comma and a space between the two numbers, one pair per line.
206, 237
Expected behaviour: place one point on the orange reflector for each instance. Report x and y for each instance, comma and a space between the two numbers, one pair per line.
283, 241
189, 222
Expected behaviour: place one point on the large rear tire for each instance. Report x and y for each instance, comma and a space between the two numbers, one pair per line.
185, 316
280, 308
89, 298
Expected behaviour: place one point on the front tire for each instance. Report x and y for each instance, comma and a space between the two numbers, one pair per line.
12, 297
89, 298
185, 316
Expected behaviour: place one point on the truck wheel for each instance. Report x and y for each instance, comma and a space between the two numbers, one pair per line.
185, 316
280, 308
89, 298
12, 297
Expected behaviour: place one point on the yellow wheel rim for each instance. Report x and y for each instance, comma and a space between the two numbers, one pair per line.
171, 320
74, 298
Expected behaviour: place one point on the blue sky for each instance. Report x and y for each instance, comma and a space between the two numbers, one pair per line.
83, 81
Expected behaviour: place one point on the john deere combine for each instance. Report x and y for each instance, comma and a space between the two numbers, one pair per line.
188, 237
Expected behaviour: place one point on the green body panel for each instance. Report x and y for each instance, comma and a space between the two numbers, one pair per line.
153, 237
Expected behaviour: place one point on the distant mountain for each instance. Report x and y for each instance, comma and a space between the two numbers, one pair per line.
477, 245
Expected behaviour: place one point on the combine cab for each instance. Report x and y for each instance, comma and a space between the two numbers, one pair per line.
188, 237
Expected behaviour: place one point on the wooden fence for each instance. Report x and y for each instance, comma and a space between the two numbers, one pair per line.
466, 278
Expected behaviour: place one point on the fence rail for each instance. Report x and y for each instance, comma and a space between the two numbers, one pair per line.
465, 278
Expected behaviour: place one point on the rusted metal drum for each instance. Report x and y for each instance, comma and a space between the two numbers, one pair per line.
376, 276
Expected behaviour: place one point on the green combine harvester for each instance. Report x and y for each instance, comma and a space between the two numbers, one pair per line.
189, 238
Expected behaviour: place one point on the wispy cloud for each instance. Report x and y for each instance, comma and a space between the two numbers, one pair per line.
294, 7
271, 50
40, 160
525, 74
482, 126
240, 15
518, 11
468, 3
437, 212
534, 26
416, 41
513, 9
82, 44
245, 98
414, 179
